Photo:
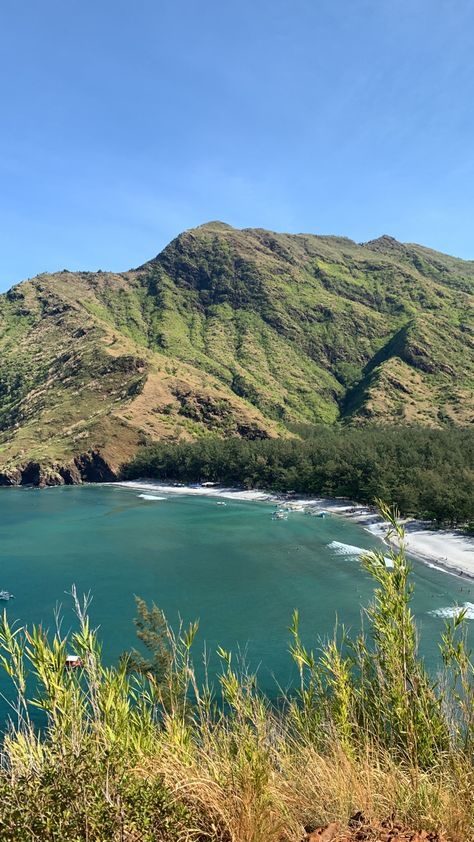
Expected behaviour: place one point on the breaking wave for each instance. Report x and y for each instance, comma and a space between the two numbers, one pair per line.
347, 549
453, 611
355, 552
202, 490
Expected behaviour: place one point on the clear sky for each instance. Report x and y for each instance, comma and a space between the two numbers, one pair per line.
123, 122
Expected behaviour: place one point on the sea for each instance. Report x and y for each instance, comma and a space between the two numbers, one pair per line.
223, 561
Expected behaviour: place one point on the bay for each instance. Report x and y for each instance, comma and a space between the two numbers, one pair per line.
232, 567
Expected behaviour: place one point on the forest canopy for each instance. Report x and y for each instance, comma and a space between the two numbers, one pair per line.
425, 472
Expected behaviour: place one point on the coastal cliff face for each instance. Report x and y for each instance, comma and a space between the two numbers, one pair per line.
88, 467
234, 333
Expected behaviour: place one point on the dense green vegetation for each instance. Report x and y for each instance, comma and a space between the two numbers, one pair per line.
231, 333
425, 472
159, 757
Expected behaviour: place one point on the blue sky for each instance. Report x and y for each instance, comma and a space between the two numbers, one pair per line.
123, 123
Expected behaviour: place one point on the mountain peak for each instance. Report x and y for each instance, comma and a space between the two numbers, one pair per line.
385, 243
214, 224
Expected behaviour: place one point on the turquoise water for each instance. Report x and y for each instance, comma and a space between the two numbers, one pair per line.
233, 568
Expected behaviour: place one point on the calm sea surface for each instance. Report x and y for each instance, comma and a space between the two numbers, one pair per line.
232, 567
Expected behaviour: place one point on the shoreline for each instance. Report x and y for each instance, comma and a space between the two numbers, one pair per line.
447, 550
450, 551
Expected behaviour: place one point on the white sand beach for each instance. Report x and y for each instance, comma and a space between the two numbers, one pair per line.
448, 550
452, 551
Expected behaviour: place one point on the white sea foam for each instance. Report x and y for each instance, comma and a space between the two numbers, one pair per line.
150, 497
453, 611
201, 490
355, 552
346, 549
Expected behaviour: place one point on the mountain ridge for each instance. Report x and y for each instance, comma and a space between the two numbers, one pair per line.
228, 331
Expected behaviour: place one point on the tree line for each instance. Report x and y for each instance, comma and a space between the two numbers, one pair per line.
425, 472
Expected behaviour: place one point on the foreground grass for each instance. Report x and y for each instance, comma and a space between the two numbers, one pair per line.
144, 753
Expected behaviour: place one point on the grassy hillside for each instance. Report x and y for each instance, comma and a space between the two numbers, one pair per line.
239, 333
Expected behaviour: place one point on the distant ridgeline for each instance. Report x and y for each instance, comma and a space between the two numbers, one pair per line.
238, 334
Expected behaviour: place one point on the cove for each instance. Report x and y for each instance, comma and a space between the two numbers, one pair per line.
232, 567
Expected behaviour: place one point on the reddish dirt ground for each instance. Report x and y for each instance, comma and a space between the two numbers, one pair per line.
361, 831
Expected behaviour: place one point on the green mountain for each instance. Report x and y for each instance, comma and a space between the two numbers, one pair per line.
240, 333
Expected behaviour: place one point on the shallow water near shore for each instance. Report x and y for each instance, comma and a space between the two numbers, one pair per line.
232, 567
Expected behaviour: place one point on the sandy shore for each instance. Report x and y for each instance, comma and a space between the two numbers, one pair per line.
448, 550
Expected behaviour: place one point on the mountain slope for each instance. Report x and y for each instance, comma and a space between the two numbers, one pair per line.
233, 332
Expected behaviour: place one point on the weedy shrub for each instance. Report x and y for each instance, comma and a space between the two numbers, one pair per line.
142, 751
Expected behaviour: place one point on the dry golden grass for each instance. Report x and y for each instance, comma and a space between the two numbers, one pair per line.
278, 793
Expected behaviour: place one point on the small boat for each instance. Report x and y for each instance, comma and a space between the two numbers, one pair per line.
279, 515
73, 662
6, 595
321, 514
221, 503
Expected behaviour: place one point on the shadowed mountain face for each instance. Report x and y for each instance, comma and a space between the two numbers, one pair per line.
239, 333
